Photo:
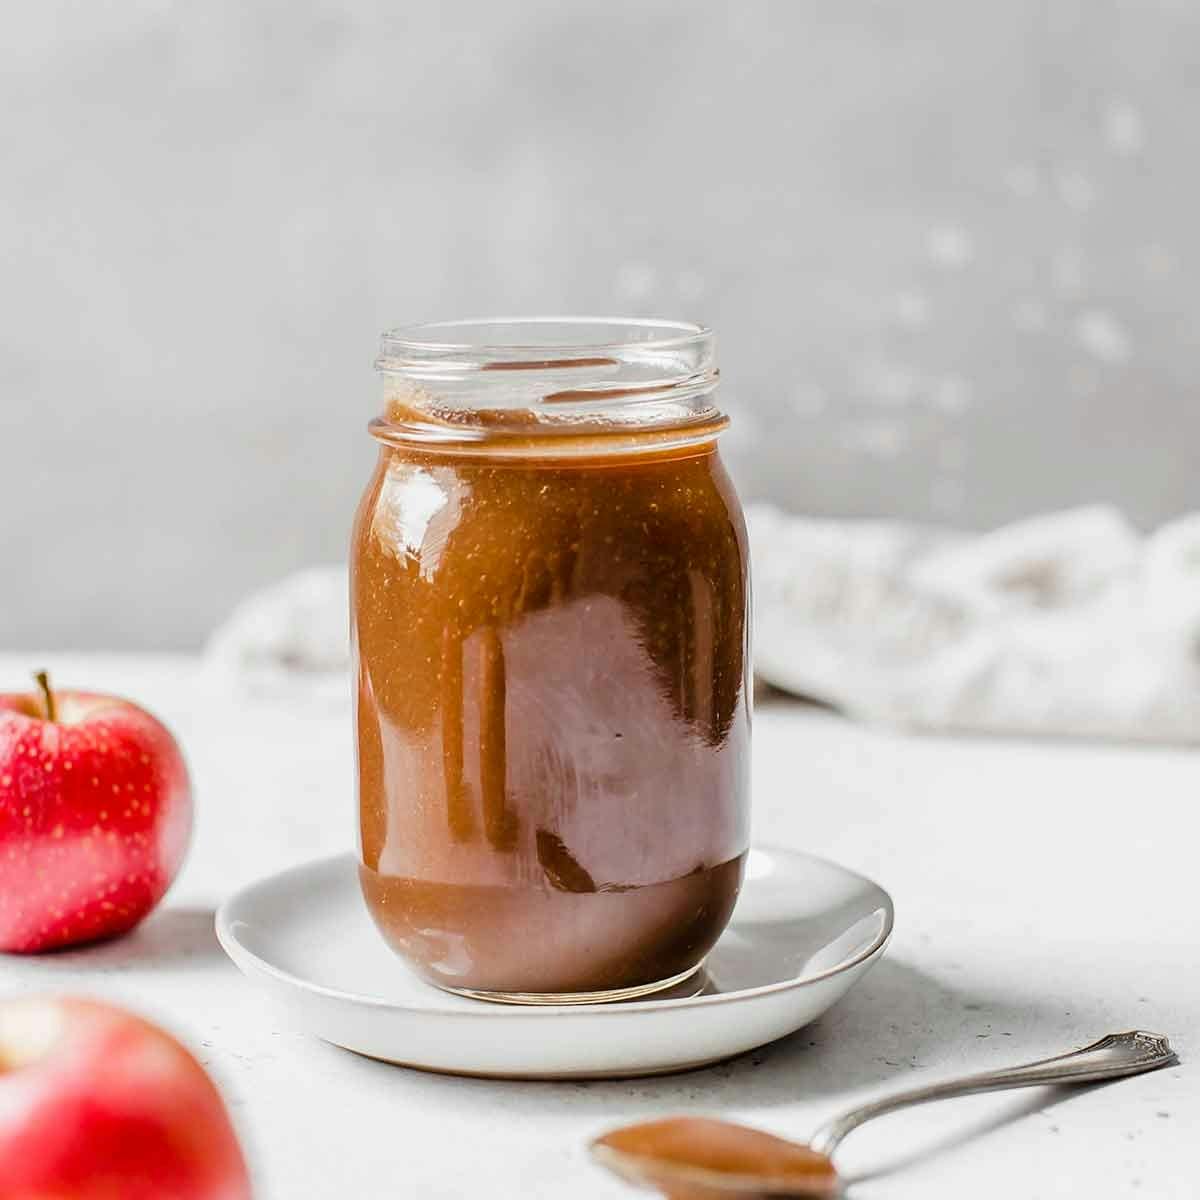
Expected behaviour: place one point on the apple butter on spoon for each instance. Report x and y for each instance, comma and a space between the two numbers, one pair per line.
700, 1158
695, 1158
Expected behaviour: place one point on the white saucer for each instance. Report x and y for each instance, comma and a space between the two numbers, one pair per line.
803, 932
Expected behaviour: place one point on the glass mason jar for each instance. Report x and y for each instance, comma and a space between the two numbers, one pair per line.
549, 583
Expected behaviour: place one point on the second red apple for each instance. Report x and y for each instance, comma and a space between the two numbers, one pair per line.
95, 816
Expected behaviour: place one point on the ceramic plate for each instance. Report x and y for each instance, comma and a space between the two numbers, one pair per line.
803, 932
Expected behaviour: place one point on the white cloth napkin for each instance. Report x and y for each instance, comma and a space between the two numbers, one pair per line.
1071, 623
289, 641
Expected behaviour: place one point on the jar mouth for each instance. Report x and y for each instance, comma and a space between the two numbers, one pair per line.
476, 343
502, 378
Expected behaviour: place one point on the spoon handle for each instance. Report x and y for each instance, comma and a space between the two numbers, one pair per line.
1112, 1057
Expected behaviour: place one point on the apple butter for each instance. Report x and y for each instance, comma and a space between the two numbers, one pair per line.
549, 587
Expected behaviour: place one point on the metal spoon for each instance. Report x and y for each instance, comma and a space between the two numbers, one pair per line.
698, 1158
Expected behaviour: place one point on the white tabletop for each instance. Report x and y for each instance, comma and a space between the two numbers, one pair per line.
1044, 896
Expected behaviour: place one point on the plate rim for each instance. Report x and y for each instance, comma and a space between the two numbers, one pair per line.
242, 957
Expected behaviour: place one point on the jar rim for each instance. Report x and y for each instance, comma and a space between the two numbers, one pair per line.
555, 337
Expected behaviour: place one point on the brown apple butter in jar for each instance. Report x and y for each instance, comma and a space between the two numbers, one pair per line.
549, 586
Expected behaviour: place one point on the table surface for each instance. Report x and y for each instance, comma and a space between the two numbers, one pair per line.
1043, 899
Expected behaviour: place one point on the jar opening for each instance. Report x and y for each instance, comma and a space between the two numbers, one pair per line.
463, 382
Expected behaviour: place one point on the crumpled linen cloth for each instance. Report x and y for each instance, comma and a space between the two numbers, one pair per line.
289, 641
1072, 623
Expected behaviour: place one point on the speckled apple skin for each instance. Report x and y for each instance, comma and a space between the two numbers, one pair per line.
95, 817
110, 1107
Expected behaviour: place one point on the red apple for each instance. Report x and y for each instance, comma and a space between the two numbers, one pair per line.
96, 1103
95, 815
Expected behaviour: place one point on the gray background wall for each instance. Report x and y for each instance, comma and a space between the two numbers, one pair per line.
949, 248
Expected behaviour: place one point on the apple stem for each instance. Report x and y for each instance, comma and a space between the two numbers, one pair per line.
43, 681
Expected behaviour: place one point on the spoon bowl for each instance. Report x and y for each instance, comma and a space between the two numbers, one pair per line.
701, 1158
